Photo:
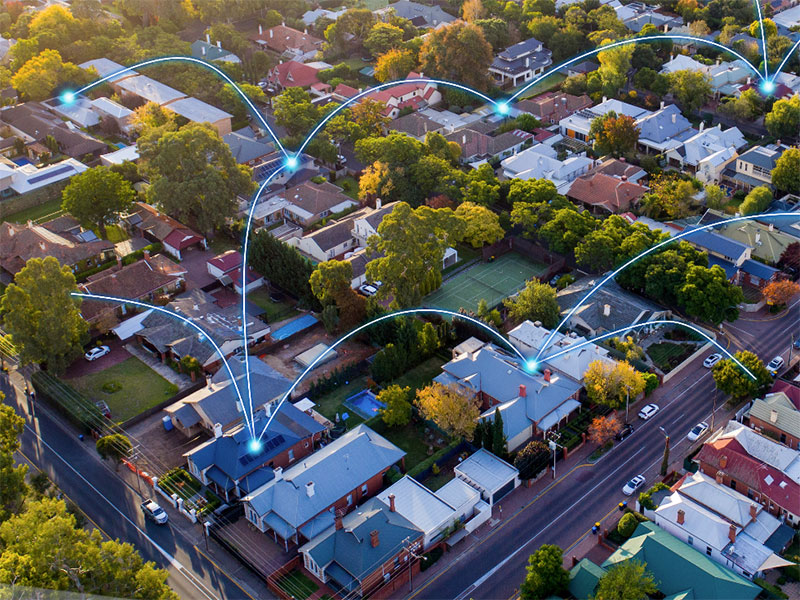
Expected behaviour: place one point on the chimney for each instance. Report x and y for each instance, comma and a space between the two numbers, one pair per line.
271, 34
723, 462
546, 375
373, 538
662, 105
146, 255
702, 125
337, 520
674, 118
278, 472
681, 517
464, 138
749, 80
217, 430
310, 489
624, 178
203, 50
219, 44
758, 238
523, 390
391, 503
605, 98
378, 203
537, 323
773, 416
606, 310
753, 512
260, 29
732, 533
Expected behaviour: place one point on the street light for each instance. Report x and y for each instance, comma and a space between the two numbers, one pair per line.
554, 446
665, 462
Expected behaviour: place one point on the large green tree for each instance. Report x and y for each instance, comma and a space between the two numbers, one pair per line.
41, 317
294, 111
41, 75
481, 225
784, 119
535, 302
195, 177
707, 294
12, 475
733, 380
786, 174
756, 201
691, 89
96, 197
457, 52
627, 580
545, 574
613, 134
114, 447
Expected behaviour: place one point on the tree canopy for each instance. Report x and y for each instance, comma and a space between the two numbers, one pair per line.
733, 380
452, 410
535, 302
96, 197
545, 575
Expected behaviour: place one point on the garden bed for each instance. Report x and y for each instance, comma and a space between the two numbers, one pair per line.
668, 355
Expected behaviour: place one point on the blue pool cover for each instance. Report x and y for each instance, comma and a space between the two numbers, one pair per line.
299, 324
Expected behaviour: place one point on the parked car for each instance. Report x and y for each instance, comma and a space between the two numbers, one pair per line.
633, 485
153, 512
341, 159
96, 353
368, 290
797, 344
648, 411
556, 278
712, 360
697, 432
775, 365
626, 430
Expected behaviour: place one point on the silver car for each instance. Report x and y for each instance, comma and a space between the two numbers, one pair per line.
633, 485
697, 432
648, 411
96, 353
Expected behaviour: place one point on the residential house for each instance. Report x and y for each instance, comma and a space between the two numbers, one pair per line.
20, 243
529, 404
754, 167
169, 339
367, 220
20, 179
205, 50
606, 194
310, 16
421, 16
148, 222
679, 570
609, 308
415, 125
729, 527
582, 68
637, 14
266, 167
246, 148
301, 502
5, 46
197, 111
227, 269
755, 465
145, 89
682, 62
143, 280
663, 130
552, 107
329, 242
520, 63
411, 95
289, 43
767, 242
291, 74
493, 477
619, 169
777, 416
311, 202
216, 407
478, 147
365, 553
227, 463
107, 108
528, 337
708, 144
541, 162
578, 124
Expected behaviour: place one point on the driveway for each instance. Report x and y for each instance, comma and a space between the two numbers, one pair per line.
83, 367
194, 261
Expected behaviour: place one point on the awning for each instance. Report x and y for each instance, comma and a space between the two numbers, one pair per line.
773, 562
304, 404
456, 537
553, 417
279, 526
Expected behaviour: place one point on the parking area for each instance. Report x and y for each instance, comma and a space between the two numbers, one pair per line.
167, 446
82, 367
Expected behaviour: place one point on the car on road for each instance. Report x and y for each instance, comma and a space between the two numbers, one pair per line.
633, 485
697, 432
96, 353
712, 360
648, 411
775, 365
626, 430
368, 290
153, 512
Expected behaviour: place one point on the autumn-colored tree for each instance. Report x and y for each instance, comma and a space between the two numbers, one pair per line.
779, 292
394, 64
609, 383
614, 134
603, 429
457, 52
472, 10
450, 408
481, 225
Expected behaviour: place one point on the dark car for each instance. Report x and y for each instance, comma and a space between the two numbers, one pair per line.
626, 430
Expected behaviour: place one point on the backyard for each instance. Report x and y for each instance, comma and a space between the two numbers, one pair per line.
668, 355
50, 209
297, 585
273, 311
128, 388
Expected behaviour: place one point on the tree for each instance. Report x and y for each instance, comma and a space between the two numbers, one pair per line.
195, 177
114, 446
715, 196
707, 294
691, 89
532, 459
152, 120
614, 66
41, 75
790, 258
669, 197
481, 225
770, 29
611, 383
778, 293
382, 38
535, 302
747, 107
786, 174
616, 135
330, 278
398, 406
428, 340
783, 121
96, 197
498, 435
472, 10
41, 317
627, 525
449, 408
294, 111
545, 575
12, 475
627, 580
756, 201
457, 52
368, 118
566, 228
394, 64
665, 459
43, 547
603, 429
731, 379
283, 266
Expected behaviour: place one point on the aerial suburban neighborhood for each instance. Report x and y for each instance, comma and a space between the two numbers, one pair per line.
423, 299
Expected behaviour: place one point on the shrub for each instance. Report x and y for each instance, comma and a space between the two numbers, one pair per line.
645, 498
627, 524
110, 387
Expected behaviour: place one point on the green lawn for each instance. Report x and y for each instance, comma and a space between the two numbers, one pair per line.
134, 387
349, 185
667, 355
116, 234
332, 402
355, 63
422, 374
546, 84
297, 585
410, 438
51, 209
273, 311
434, 482
222, 243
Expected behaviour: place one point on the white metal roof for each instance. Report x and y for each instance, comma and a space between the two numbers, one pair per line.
418, 504
486, 470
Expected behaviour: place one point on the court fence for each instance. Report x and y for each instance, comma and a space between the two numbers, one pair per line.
528, 249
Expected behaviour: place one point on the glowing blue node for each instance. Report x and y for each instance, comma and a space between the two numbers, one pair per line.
767, 87
291, 162
68, 97
531, 366
254, 446
502, 108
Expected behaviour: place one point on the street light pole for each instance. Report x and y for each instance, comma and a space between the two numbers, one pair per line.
411, 555
627, 401
665, 463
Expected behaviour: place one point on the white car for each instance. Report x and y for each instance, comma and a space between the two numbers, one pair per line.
712, 360
633, 485
775, 365
153, 512
96, 353
698, 431
368, 290
648, 411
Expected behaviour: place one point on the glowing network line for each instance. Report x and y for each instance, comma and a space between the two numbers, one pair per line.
573, 347
394, 315
69, 96
641, 255
205, 336
763, 40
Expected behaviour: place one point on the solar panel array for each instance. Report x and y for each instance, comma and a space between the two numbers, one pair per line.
265, 447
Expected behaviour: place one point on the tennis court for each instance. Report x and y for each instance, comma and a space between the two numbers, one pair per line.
491, 281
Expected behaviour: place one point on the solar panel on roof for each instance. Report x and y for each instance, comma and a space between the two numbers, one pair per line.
53, 173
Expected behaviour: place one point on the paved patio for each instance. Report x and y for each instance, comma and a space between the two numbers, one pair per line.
179, 379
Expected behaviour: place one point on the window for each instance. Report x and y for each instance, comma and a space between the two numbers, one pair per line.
690, 541
349, 499
291, 454
708, 550
733, 484
364, 489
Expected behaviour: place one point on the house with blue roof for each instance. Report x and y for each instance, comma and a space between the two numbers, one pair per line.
246, 148
754, 167
227, 465
300, 503
520, 63
206, 50
663, 130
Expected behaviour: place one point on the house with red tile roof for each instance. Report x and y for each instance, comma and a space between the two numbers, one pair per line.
408, 95
292, 74
551, 107
148, 222
601, 193
227, 269
288, 42
478, 146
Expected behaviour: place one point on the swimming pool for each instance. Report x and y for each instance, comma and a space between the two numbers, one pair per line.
21, 161
365, 403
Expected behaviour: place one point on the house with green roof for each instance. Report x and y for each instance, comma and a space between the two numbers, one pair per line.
680, 571
777, 416
766, 240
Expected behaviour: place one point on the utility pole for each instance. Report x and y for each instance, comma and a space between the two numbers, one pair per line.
627, 401
554, 446
665, 462
206, 526
411, 556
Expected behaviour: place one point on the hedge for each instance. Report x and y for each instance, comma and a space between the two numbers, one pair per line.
428, 462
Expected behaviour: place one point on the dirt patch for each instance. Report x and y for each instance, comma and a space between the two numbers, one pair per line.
162, 450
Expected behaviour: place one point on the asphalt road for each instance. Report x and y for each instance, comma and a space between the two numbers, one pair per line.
113, 507
565, 512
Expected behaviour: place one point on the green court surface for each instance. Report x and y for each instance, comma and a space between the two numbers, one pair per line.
490, 281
